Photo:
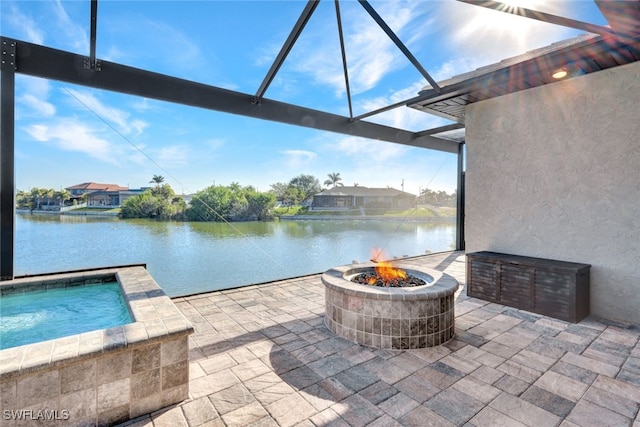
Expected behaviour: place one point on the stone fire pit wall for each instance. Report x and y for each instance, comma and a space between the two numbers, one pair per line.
390, 318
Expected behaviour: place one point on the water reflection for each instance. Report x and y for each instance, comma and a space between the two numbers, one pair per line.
54, 217
190, 257
236, 229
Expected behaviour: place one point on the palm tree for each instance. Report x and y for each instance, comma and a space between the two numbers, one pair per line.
38, 194
62, 195
48, 194
24, 200
334, 177
157, 179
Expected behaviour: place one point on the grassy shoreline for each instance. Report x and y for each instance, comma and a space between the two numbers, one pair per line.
418, 213
297, 212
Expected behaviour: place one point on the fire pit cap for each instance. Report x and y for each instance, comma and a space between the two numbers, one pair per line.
438, 284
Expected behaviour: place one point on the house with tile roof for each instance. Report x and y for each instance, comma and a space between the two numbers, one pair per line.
338, 198
99, 195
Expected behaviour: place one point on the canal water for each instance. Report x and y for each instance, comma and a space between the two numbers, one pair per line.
191, 257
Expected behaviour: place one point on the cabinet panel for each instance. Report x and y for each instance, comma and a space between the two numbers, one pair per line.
553, 292
515, 286
484, 276
553, 288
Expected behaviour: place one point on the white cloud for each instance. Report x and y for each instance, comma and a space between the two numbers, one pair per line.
267, 53
158, 45
214, 144
72, 135
172, 156
39, 106
138, 126
25, 26
301, 154
36, 86
372, 151
143, 105
119, 118
295, 159
32, 96
173, 40
75, 35
113, 54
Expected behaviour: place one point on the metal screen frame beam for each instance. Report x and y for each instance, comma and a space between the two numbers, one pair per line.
54, 64
7, 156
460, 202
93, 34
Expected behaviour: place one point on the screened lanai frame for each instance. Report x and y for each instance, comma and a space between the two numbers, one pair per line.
604, 47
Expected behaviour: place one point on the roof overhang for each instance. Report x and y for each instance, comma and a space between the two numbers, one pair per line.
579, 56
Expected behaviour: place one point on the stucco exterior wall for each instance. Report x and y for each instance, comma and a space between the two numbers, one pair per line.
554, 172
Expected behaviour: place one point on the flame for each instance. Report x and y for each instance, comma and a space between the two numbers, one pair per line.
385, 270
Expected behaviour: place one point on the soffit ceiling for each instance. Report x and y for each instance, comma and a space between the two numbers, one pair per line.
578, 56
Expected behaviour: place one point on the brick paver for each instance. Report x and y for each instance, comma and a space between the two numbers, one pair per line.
262, 356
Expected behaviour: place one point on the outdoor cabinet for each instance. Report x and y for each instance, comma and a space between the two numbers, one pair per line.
552, 288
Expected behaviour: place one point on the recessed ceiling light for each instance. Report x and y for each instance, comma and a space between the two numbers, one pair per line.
560, 74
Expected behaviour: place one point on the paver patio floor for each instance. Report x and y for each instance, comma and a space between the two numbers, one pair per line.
261, 356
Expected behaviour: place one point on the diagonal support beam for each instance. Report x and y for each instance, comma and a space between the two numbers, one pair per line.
446, 128
286, 48
541, 16
399, 43
344, 58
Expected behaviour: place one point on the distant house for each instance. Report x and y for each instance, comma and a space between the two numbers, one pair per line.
355, 197
99, 195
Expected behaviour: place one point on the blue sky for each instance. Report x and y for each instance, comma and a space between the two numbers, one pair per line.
67, 135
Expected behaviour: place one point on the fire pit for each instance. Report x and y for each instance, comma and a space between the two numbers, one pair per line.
393, 317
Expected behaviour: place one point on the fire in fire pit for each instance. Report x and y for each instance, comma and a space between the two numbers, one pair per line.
388, 276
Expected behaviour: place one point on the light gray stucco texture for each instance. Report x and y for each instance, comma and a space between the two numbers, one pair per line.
554, 172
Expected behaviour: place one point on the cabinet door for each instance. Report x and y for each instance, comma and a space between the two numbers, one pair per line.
483, 281
515, 286
553, 293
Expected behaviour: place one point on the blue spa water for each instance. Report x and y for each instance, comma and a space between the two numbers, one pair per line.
43, 315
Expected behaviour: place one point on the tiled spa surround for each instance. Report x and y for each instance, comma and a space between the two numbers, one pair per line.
391, 318
101, 377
